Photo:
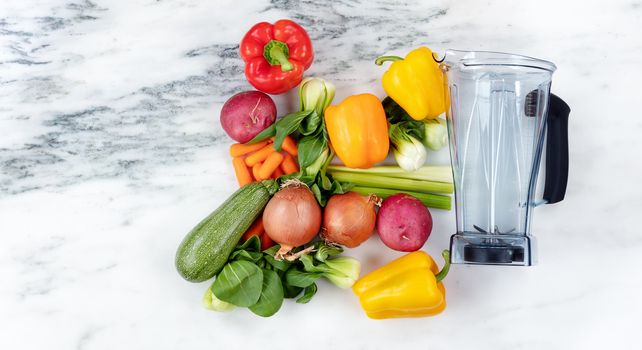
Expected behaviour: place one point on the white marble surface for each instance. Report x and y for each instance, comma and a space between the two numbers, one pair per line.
111, 151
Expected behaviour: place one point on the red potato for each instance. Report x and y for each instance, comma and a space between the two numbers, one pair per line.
246, 114
404, 223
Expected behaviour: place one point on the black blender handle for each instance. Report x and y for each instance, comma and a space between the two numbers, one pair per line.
556, 150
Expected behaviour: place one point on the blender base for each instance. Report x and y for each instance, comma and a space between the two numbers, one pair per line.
485, 249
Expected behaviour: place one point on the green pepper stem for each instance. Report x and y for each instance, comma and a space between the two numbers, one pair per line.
277, 54
444, 270
381, 59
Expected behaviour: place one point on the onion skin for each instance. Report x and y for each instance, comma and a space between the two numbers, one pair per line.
349, 219
404, 223
292, 217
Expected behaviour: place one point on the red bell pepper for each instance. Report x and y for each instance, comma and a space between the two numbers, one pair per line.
276, 55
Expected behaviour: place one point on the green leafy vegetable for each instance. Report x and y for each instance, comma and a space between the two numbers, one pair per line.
435, 133
394, 112
311, 124
247, 256
300, 278
311, 148
250, 250
258, 281
211, 302
290, 291
271, 297
239, 283
409, 152
406, 135
253, 244
264, 135
315, 94
280, 265
287, 125
310, 291
324, 251
344, 271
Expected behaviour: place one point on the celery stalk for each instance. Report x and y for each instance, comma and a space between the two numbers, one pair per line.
429, 200
382, 181
437, 173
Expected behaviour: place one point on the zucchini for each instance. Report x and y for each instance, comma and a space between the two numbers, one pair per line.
205, 249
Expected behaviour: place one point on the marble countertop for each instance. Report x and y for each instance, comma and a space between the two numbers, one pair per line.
111, 151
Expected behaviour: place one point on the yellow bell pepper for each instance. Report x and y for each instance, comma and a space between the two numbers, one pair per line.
358, 130
407, 287
416, 83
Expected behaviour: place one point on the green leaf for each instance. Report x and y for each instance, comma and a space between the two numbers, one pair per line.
281, 265
342, 187
326, 184
394, 112
310, 149
324, 251
310, 124
253, 245
239, 283
271, 297
263, 135
287, 125
272, 250
311, 266
254, 257
298, 278
317, 194
399, 118
413, 128
310, 291
289, 291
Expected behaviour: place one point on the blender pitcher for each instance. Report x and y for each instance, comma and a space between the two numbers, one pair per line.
499, 112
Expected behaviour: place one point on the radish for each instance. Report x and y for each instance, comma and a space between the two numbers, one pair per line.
246, 114
404, 223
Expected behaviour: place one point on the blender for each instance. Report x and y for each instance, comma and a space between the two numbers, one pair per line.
499, 113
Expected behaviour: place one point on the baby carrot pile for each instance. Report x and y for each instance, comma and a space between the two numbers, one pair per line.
260, 161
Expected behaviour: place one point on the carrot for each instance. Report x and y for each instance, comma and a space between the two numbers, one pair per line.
255, 230
243, 175
289, 165
240, 149
277, 173
259, 155
255, 171
290, 146
271, 163
266, 241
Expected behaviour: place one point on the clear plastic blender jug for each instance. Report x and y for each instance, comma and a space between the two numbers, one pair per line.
500, 112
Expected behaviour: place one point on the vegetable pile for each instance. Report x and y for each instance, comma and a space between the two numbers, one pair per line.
288, 223
253, 278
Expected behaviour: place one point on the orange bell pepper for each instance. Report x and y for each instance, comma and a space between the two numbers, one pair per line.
358, 130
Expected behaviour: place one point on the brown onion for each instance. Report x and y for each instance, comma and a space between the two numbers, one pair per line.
349, 219
292, 217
